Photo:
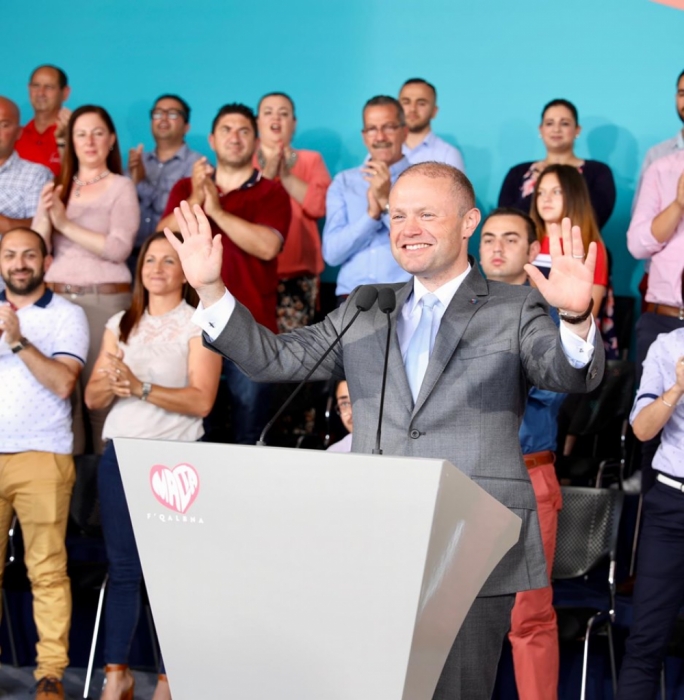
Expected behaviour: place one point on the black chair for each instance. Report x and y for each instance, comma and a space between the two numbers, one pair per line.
587, 536
600, 423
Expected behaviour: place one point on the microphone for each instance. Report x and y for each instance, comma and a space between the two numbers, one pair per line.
365, 298
387, 302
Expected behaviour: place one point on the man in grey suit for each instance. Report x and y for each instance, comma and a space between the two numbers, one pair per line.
463, 355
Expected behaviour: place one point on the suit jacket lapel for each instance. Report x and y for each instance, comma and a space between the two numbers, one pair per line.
395, 370
471, 295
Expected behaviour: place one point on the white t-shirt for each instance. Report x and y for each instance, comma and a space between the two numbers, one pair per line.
156, 352
31, 416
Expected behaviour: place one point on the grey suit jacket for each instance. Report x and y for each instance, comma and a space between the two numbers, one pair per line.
494, 339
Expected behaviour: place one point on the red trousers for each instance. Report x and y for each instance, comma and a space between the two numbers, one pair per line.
534, 632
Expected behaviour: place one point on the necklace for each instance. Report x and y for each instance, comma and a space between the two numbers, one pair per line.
80, 183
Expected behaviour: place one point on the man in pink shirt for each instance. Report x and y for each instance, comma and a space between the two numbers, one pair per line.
657, 232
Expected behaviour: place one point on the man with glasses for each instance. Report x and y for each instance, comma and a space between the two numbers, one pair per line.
356, 233
156, 172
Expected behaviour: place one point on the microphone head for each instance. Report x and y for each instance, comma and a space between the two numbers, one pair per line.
366, 297
387, 300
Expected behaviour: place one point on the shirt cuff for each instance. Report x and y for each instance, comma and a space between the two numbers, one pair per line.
578, 351
214, 319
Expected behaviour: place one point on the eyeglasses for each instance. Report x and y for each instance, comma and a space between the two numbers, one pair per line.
172, 114
385, 129
343, 407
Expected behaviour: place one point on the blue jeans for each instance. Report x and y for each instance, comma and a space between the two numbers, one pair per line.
251, 404
122, 606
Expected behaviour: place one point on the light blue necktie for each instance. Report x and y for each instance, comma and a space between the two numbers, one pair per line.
420, 345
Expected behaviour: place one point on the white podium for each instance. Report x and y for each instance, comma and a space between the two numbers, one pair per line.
282, 574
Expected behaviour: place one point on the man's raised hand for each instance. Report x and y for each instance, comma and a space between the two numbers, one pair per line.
201, 255
571, 279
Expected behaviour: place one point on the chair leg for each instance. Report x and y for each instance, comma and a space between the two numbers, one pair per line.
585, 659
611, 653
635, 541
663, 688
93, 644
10, 631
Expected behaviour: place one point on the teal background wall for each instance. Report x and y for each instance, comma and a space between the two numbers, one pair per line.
494, 62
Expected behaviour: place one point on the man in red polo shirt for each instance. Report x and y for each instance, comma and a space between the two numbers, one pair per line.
252, 215
43, 138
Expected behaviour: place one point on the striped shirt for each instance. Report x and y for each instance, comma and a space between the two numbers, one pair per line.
20, 185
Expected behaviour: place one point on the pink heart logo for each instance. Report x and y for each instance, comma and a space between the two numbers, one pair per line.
175, 488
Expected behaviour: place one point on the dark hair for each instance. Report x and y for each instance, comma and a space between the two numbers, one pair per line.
278, 94
41, 241
420, 81
510, 211
132, 316
576, 202
679, 77
185, 107
70, 161
381, 101
61, 75
235, 108
460, 184
561, 103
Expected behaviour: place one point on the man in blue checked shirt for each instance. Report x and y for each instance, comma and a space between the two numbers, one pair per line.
356, 233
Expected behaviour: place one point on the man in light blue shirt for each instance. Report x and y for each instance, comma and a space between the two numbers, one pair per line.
419, 100
356, 233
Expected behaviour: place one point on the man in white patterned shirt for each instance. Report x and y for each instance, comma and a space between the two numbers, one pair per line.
20, 180
43, 343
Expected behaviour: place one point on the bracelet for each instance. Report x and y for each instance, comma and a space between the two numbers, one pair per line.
568, 318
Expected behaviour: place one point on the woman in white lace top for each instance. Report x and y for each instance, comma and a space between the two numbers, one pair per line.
161, 381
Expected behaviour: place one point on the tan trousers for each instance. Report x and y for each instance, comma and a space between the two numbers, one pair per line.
37, 485
99, 308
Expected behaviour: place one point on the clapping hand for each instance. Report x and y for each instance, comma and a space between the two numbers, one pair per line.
122, 381
135, 164
377, 174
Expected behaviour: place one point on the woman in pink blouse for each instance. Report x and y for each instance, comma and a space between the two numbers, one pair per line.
89, 218
304, 175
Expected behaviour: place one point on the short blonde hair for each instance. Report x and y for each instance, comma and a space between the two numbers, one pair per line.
460, 184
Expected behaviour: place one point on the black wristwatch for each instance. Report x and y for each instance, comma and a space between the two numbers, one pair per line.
568, 318
21, 345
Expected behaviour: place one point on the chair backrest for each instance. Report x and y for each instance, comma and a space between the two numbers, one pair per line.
587, 529
610, 402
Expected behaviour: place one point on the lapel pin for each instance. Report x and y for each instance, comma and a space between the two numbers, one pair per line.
473, 300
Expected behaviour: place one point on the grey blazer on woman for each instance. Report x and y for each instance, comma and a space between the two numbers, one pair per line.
494, 340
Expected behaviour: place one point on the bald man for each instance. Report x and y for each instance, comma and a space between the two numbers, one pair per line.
20, 180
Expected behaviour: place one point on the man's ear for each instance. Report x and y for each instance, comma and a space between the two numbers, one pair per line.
65, 93
534, 250
435, 109
47, 262
471, 220
212, 141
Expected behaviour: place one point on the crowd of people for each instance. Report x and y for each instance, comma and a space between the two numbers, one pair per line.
98, 339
